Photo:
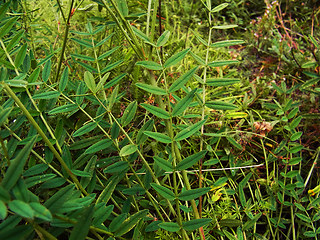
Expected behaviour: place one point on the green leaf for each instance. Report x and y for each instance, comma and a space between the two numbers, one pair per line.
90, 82
219, 82
117, 221
3, 210
225, 26
195, 224
179, 83
101, 213
193, 193
226, 43
85, 129
170, 226
108, 53
123, 7
190, 161
32, 181
251, 222
173, 60
158, 136
162, 40
80, 173
15, 169
21, 208
234, 143
141, 138
4, 9
83, 57
187, 132
141, 35
156, 111
15, 40
34, 75
149, 65
4, 114
219, 105
183, 104
107, 192
295, 160
115, 80
163, 191
47, 95
163, 164
219, 7
303, 217
4, 195
128, 149
117, 167
200, 39
151, 89
55, 202
64, 79
21, 55
7, 27
222, 63
81, 229
63, 109
129, 223
84, 43
101, 145
41, 212
310, 64
46, 71
129, 113
309, 234
296, 136
16, 83
111, 66
228, 222
295, 122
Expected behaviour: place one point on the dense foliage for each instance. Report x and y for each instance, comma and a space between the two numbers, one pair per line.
159, 119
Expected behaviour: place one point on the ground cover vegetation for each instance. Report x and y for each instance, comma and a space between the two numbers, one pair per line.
125, 119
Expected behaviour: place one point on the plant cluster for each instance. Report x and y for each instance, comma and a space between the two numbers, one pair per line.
138, 120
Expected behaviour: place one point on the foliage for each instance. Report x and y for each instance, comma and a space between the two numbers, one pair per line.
118, 121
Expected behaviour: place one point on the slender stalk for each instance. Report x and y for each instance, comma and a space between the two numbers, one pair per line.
44, 137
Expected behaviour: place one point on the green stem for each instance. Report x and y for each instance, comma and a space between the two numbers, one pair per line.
44, 137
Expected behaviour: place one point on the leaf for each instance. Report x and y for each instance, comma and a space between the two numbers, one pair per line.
16, 83
4, 9
81, 229
151, 89
15, 169
187, 132
115, 80
219, 7
101, 145
129, 223
83, 57
101, 213
21, 55
156, 111
163, 164
141, 138
303, 217
193, 193
225, 26
63, 109
226, 43
222, 63
128, 149
251, 222
141, 35
34, 75
7, 26
190, 161
295, 122
158, 136
85, 129
149, 65
47, 95
90, 82
173, 60
84, 43
179, 83
41, 212
106, 194
219, 82
64, 79
234, 143
55, 202
170, 226
183, 104
200, 39
219, 105
230, 222
310, 64
32, 181
129, 113
21, 208
195, 224
163, 191
108, 53
3, 210
117, 221
111, 66
162, 40
46, 71
117, 167
296, 136
4, 114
